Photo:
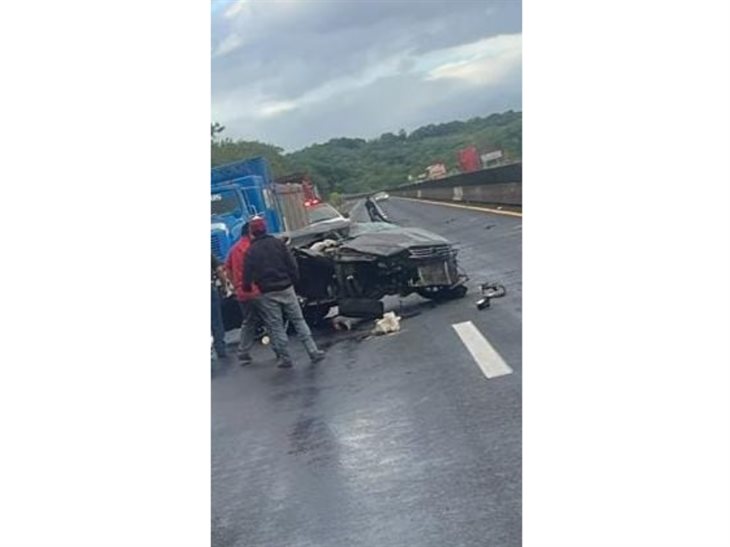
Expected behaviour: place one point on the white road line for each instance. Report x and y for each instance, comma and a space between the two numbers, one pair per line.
481, 350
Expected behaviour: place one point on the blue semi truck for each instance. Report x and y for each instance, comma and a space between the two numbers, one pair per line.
238, 191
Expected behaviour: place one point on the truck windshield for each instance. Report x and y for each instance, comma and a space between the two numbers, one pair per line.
224, 203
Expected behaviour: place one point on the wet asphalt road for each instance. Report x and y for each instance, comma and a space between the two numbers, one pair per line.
398, 440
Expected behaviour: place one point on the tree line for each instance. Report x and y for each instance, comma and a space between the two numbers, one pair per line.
354, 165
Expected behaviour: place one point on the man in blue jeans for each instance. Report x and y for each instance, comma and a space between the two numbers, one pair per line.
270, 265
216, 315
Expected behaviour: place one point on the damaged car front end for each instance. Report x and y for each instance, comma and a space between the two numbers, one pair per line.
385, 259
354, 265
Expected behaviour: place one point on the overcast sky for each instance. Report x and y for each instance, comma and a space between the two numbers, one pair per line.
296, 72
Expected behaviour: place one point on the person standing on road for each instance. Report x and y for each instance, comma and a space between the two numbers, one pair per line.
374, 212
217, 278
270, 265
247, 300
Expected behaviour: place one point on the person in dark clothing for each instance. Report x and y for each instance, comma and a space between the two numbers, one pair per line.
375, 213
217, 276
270, 265
247, 300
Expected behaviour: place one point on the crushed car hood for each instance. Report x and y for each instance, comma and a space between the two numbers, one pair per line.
382, 239
314, 232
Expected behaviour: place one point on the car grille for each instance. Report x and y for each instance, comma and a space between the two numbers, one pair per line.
436, 273
216, 246
435, 251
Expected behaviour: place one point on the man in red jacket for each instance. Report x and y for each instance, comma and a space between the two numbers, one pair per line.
235, 264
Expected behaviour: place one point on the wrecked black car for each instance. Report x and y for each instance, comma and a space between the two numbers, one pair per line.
353, 265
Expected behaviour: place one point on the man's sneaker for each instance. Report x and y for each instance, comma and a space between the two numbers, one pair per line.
244, 360
282, 363
317, 356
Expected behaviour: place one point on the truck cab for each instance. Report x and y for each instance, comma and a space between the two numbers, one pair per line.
239, 191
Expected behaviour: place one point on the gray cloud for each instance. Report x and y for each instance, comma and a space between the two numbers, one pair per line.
359, 68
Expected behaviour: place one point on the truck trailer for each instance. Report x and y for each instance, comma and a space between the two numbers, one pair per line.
469, 160
310, 193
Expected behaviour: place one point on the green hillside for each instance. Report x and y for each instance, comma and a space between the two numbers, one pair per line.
348, 165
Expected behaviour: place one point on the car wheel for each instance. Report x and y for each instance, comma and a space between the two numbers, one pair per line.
441, 293
314, 315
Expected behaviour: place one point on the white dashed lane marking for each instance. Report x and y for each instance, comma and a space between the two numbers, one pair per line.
481, 350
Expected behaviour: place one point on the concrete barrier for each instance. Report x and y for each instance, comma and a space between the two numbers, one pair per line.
498, 194
496, 186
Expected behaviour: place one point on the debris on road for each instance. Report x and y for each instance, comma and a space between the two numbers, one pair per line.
482, 303
489, 226
388, 324
489, 291
343, 323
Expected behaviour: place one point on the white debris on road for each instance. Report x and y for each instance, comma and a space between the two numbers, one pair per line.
388, 324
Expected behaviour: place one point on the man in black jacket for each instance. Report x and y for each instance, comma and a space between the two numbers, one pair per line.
270, 265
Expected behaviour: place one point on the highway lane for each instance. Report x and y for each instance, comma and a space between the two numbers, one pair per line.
395, 440
490, 249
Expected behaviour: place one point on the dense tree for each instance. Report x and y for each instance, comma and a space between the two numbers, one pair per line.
352, 165
227, 151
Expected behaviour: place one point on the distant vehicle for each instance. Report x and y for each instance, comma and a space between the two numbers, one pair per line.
492, 159
381, 196
436, 171
469, 160
322, 213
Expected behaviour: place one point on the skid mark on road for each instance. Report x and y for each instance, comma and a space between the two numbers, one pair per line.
489, 361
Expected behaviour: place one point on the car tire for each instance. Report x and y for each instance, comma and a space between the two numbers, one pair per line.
314, 315
440, 294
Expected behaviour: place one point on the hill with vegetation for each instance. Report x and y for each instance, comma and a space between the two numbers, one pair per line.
353, 165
